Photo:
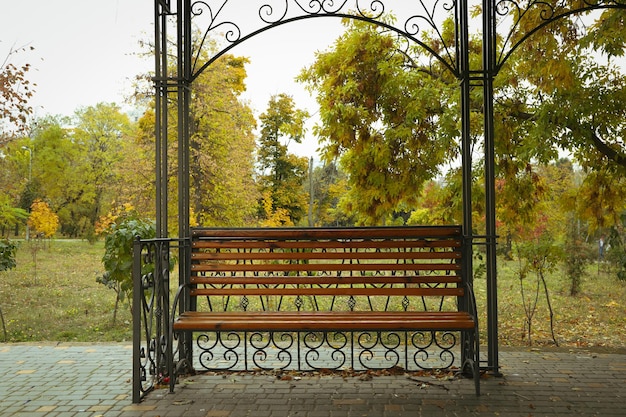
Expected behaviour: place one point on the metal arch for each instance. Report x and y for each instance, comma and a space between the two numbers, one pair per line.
183, 13
234, 35
447, 63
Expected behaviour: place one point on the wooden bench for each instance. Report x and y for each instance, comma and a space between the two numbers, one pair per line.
319, 298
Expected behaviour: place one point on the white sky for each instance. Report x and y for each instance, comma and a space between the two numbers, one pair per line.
83, 48
86, 53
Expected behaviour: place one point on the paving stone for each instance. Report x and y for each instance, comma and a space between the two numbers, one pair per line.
94, 380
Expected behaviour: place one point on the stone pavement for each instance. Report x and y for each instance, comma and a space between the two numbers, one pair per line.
53, 380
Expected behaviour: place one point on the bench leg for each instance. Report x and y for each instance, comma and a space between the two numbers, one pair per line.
182, 362
471, 361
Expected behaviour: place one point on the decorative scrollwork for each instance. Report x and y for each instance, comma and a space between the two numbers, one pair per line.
218, 351
372, 9
262, 342
151, 346
426, 343
334, 342
384, 345
224, 21
330, 350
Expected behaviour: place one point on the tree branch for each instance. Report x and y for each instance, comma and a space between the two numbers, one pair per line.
611, 153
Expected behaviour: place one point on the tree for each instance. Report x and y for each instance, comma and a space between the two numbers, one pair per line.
538, 255
15, 92
556, 93
136, 168
389, 113
51, 165
281, 173
44, 223
101, 131
390, 124
75, 165
328, 185
42, 220
222, 146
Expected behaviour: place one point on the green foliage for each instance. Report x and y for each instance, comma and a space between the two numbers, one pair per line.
222, 147
327, 185
118, 256
8, 249
578, 256
100, 132
10, 216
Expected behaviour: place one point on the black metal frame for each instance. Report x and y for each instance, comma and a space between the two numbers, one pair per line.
178, 14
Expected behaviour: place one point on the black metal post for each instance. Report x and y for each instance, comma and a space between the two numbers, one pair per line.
161, 11
462, 35
184, 54
137, 309
489, 63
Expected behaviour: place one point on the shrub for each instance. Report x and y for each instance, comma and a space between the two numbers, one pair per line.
8, 250
121, 228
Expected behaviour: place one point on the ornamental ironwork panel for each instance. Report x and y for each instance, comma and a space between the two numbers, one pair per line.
337, 350
152, 356
230, 23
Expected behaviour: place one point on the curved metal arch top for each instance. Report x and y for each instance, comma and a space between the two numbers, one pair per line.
225, 21
543, 13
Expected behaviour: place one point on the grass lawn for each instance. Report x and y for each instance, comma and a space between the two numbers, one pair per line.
594, 318
60, 300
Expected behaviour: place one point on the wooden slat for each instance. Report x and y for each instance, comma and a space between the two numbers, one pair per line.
329, 233
325, 244
327, 291
325, 280
399, 257
328, 315
303, 256
321, 267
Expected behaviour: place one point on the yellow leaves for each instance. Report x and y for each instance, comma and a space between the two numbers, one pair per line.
104, 223
274, 216
42, 219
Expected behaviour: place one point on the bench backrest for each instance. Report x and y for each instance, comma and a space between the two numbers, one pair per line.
365, 268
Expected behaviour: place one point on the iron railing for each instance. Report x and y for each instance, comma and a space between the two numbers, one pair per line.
152, 351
